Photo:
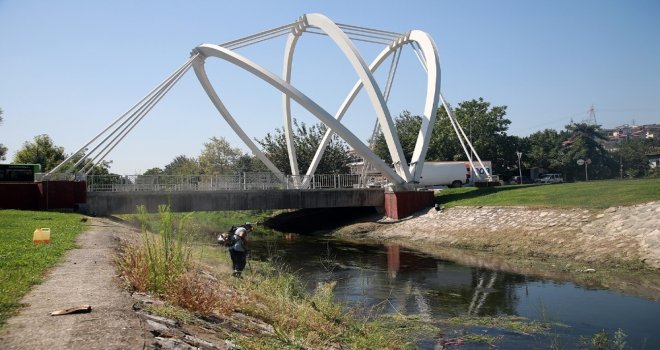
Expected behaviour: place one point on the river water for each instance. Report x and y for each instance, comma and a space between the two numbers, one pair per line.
393, 279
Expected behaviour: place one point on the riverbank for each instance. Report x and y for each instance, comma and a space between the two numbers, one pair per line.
617, 247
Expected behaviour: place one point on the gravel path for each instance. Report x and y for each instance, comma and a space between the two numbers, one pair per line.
87, 276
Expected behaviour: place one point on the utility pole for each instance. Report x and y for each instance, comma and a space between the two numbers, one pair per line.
519, 154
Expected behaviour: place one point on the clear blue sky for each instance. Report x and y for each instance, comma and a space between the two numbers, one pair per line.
69, 68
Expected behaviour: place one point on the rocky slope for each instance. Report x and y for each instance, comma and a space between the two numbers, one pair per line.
614, 235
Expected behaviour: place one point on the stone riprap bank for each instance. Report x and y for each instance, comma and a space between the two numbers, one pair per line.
630, 233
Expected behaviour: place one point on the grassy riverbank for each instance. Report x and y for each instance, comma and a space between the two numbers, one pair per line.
23, 263
592, 194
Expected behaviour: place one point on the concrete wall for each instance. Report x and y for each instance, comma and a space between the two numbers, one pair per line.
106, 203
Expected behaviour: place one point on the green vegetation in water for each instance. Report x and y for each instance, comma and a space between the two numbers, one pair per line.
602, 341
22, 262
511, 323
481, 339
592, 194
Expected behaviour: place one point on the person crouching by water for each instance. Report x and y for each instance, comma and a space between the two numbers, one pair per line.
238, 251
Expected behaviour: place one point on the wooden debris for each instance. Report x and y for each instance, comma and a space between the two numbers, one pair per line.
81, 309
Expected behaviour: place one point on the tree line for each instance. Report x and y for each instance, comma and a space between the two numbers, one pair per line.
486, 127
553, 151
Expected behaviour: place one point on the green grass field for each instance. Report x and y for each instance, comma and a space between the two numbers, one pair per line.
23, 263
592, 194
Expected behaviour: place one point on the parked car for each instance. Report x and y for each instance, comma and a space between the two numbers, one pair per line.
517, 180
550, 179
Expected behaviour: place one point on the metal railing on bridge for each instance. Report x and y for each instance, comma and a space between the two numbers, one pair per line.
245, 181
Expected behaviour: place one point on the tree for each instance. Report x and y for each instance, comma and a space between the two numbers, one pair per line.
40, 151
407, 126
583, 141
544, 150
249, 164
183, 165
306, 141
154, 171
3, 149
484, 125
218, 157
486, 129
631, 157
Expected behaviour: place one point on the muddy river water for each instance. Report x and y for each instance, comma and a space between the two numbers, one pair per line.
393, 279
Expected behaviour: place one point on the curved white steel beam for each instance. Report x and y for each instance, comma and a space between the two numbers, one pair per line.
200, 71
431, 103
208, 50
286, 101
432, 60
344, 107
375, 95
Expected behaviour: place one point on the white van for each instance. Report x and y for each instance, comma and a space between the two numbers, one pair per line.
453, 174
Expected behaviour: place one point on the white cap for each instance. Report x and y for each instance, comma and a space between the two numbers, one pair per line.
241, 232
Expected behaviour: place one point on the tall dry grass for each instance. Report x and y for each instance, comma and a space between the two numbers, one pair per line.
161, 263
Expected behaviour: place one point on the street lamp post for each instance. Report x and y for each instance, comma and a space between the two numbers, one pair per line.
519, 154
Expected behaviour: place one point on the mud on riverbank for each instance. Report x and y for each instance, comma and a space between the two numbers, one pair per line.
617, 248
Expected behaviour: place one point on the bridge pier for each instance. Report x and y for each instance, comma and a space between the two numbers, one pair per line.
400, 204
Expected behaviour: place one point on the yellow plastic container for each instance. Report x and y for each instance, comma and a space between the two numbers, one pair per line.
41, 235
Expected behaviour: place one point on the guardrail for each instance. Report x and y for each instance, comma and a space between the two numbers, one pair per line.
245, 181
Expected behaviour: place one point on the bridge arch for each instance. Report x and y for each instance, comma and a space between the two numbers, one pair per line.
210, 50
402, 174
431, 64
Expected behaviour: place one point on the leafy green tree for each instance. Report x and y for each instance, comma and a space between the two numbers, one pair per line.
485, 127
3, 149
306, 141
183, 165
407, 126
631, 157
218, 157
543, 150
154, 171
249, 164
40, 151
584, 141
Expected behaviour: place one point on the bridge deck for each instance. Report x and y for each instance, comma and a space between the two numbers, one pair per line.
105, 203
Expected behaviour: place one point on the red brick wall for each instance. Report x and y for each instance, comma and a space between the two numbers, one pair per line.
42, 195
402, 204
19, 195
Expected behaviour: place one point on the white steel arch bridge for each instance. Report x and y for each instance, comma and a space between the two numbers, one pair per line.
399, 174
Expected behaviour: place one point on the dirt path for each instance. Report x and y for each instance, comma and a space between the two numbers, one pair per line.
87, 276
